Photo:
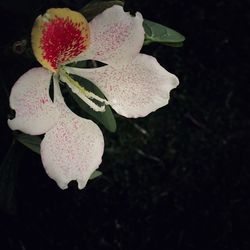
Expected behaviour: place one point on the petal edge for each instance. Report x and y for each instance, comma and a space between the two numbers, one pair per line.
72, 150
116, 37
135, 90
35, 112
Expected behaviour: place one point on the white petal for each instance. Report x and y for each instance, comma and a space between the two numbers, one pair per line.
72, 150
35, 112
135, 90
116, 37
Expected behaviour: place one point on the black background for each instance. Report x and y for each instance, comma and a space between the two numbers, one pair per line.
181, 185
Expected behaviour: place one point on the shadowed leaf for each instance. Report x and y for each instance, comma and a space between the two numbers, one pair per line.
106, 118
30, 141
96, 174
157, 33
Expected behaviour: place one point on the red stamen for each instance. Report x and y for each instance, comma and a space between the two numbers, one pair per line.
62, 40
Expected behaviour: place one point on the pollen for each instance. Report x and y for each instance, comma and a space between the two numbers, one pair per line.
58, 36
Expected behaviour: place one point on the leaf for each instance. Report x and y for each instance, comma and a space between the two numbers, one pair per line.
96, 174
106, 118
86, 64
30, 141
175, 45
96, 7
78, 64
157, 33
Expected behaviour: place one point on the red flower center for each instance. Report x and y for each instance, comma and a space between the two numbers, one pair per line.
62, 40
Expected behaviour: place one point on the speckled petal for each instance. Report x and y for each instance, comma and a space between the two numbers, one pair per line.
72, 150
35, 112
116, 37
135, 90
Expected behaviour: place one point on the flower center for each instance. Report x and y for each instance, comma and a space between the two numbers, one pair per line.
62, 40
58, 36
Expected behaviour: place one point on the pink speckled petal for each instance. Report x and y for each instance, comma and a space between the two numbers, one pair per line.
72, 150
116, 37
135, 90
35, 112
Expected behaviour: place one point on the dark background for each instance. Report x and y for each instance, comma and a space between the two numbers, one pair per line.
177, 179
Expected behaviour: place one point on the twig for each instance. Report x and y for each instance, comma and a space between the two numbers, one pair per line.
196, 122
148, 156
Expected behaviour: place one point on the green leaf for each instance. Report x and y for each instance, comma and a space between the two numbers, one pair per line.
96, 7
78, 64
96, 174
175, 45
106, 118
86, 64
157, 33
30, 141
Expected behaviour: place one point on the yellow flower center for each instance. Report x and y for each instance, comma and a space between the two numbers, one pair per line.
58, 36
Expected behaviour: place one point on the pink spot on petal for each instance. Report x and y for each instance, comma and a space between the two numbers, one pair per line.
44, 100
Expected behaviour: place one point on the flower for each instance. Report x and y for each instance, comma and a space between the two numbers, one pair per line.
133, 83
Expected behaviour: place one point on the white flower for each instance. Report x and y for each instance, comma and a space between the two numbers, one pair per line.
133, 83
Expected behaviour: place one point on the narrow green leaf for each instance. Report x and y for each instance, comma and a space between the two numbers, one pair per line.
86, 64
96, 7
175, 45
30, 141
78, 64
96, 174
157, 33
106, 118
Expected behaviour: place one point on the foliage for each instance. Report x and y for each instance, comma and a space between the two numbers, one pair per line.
157, 33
